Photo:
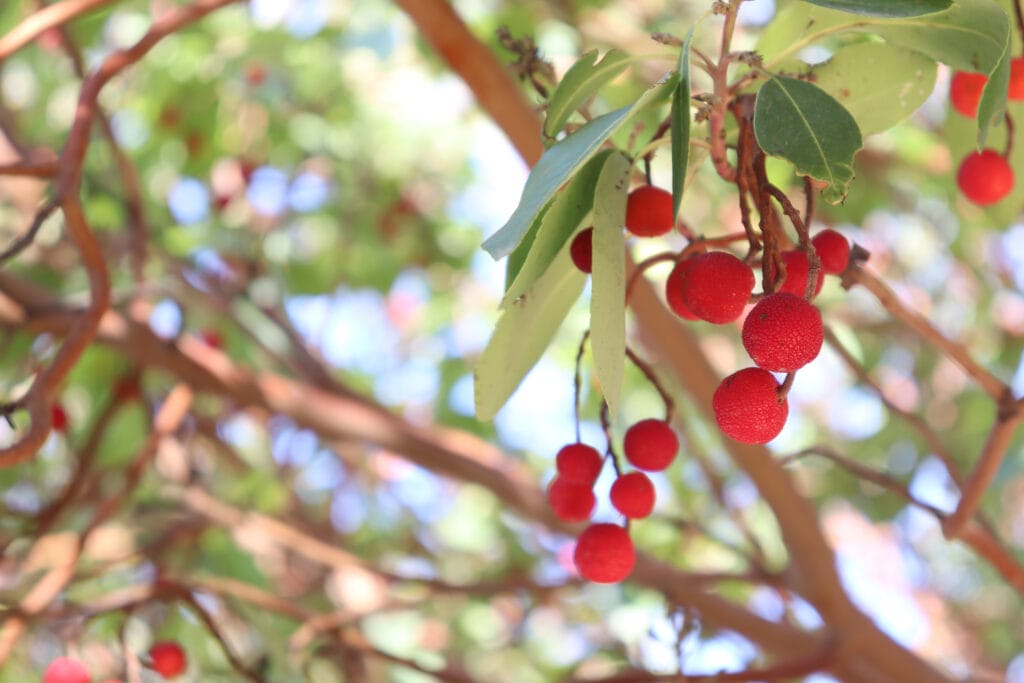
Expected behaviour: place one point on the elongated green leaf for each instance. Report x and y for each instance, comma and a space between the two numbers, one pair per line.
886, 8
558, 164
608, 295
517, 259
803, 124
583, 79
681, 125
879, 84
560, 221
992, 107
523, 332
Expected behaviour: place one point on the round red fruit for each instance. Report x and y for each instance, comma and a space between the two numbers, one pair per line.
674, 292
1016, 89
650, 445
604, 553
649, 211
581, 249
571, 501
965, 92
985, 177
833, 250
717, 286
167, 658
747, 406
797, 269
66, 670
59, 417
632, 494
580, 463
783, 333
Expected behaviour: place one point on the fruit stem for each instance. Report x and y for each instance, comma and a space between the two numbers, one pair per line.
648, 372
606, 425
1019, 16
1009, 135
785, 386
578, 383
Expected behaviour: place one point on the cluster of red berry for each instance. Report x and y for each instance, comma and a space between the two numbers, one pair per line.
984, 177
166, 658
604, 552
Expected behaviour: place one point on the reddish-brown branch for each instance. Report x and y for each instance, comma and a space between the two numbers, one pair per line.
31, 169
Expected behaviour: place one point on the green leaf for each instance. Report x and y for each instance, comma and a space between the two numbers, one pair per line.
517, 259
559, 163
879, 84
560, 222
583, 79
680, 117
608, 297
992, 107
523, 332
803, 124
886, 8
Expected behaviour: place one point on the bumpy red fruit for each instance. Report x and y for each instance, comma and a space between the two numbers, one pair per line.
632, 494
797, 269
833, 250
66, 670
59, 418
985, 177
604, 553
717, 286
650, 445
167, 658
581, 249
1016, 89
674, 292
580, 463
965, 92
783, 333
649, 211
570, 500
747, 406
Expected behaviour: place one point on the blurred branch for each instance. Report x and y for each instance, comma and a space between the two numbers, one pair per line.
49, 17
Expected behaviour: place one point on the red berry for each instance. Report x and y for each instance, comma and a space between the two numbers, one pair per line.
649, 211
66, 670
212, 338
674, 292
579, 463
717, 286
965, 92
604, 553
985, 177
783, 333
59, 418
167, 658
797, 268
571, 501
650, 445
1016, 89
747, 406
581, 249
833, 250
632, 494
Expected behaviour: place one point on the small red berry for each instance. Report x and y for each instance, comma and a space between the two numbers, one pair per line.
797, 269
604, 553
632, 494
167, 658
579, 463
66, 670
571, 501
650, 445
783, 332
59, 418
747, 406
1016, 89
965, 92
985, 177
212, 338
717, 286
581, 249
649, 211
833, 250
674, 292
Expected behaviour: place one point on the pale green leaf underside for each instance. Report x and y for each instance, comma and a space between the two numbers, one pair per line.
608, 294
879, 84
583, 79
523, 332
803, 124
886, 8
